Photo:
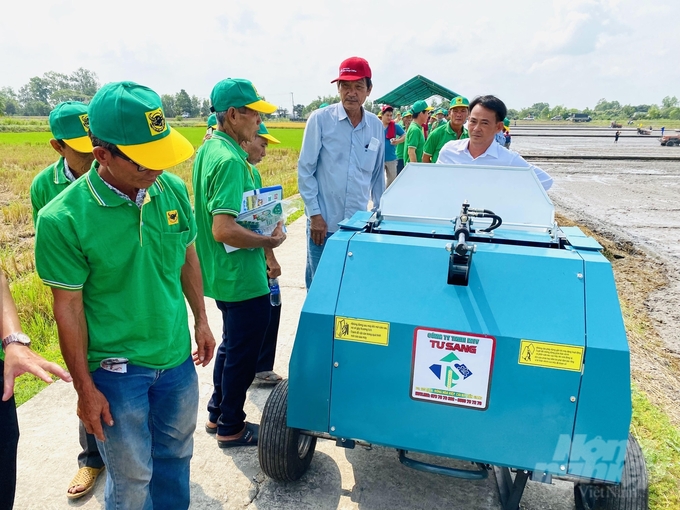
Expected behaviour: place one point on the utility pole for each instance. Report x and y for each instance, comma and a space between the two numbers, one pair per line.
292, 99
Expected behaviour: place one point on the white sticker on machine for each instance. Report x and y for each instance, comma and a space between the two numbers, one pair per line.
452, 368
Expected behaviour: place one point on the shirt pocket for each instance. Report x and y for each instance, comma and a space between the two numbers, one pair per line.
174, 249
367, 159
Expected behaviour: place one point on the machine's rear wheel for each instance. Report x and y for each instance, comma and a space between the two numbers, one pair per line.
284, 453
670, 143
631, 494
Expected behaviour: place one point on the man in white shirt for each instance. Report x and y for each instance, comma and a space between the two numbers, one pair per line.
485, 120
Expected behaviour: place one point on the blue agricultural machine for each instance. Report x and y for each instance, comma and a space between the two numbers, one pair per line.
463, 302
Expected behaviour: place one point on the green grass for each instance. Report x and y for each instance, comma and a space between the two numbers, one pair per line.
660, 442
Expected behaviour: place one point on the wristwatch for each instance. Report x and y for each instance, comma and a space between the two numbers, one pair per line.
20, 338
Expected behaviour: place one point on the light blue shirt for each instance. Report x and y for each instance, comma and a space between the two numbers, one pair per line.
500, 138
456, 153
341, 166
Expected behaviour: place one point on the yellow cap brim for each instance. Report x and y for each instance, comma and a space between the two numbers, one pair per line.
160, 154
429, 109
270, 138
262, 107
80, 144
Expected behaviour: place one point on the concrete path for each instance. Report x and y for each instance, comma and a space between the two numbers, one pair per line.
367, 479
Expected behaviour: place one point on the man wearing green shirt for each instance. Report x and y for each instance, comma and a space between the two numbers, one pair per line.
415, 138
236, 280
264, 371
69, 125
116, 247
405, 122
452, 130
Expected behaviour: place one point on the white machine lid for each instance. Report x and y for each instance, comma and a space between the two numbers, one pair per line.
436, 192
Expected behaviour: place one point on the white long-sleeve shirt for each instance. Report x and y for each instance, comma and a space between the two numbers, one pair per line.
456, 152
341, 166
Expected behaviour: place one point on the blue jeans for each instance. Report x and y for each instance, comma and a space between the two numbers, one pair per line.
148, 450
244, 325
314, 252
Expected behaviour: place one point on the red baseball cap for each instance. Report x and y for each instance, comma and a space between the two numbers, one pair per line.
352, 69
387, 108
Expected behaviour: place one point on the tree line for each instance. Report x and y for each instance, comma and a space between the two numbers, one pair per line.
604, 110
42, 93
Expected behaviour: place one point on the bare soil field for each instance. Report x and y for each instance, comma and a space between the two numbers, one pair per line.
633, 207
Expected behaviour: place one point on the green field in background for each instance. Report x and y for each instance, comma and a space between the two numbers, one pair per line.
290, 138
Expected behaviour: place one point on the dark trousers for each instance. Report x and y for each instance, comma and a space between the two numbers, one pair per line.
400, 166
90, 456
265, 361
9, 438
244, 325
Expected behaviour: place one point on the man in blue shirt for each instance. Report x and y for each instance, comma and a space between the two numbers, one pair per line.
342, 159
394, 135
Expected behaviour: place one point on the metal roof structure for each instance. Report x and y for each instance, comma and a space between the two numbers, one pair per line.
413, 90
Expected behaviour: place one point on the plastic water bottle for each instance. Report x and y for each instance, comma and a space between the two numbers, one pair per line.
274, 292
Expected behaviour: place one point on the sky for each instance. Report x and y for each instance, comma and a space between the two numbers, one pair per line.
571, 53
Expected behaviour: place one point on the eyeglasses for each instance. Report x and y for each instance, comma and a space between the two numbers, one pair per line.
117, 153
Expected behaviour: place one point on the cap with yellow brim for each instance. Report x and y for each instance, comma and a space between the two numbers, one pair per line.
212, 121
237, 93
264, 133
421, 106
131, 117
459, 101
69, 122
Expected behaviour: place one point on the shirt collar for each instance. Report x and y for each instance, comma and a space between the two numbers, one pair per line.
231, 142
450, 130
491, 150
60, 176
342, 115
108, 196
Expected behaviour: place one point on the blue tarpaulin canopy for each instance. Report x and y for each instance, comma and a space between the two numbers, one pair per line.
413, 90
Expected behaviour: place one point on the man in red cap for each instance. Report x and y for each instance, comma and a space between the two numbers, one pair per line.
394, 135
342, 159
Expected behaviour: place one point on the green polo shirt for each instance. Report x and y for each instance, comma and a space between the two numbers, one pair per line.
414, 138
221, 175
47, 185
439, 137
400, 147
127, 263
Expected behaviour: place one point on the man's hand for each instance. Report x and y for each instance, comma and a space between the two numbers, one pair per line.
273, 268
317, 229
20, 359
93, 408
205, 344
278, 236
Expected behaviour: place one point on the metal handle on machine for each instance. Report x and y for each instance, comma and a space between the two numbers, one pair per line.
467, 474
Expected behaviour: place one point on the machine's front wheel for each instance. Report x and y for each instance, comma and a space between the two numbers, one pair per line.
284, 453
631, 494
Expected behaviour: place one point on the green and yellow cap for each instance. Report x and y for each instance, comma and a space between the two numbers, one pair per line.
322, 105
131, 116
459, 101
236, 93
506, 122
407, 113
420, 106
212, 121
264, 133
69, 122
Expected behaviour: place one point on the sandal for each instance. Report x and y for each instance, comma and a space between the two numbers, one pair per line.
87, 477
268, 377
248, 438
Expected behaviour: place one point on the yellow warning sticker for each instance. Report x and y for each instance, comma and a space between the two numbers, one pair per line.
361, 330
547, 355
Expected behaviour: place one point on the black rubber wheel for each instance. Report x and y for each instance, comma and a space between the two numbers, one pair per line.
284, 453
669, 143
631, 494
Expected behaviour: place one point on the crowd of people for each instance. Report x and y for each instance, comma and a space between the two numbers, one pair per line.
121, 246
